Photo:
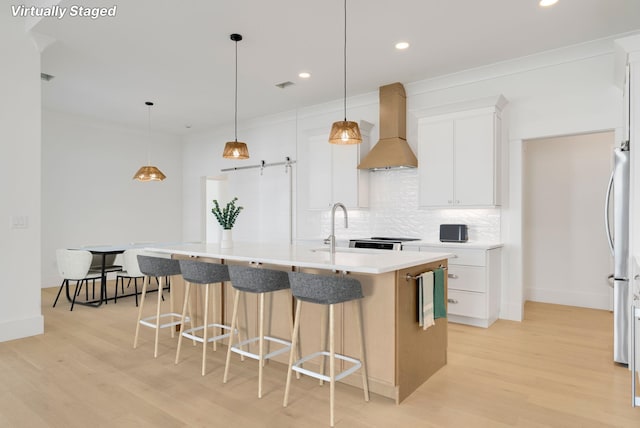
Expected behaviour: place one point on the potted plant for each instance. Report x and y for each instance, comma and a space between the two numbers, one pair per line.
227, 218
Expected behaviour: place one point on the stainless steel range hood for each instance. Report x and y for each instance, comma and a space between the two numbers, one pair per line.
392, 150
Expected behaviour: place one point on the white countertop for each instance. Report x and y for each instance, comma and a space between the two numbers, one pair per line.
472, 245
345, 259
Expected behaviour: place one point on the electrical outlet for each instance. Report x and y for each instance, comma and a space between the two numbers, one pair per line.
19, 222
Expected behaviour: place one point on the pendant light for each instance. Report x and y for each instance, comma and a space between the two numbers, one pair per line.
149, 172
236, 149
345, 132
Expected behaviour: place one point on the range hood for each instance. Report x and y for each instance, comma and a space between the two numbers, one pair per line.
392, 150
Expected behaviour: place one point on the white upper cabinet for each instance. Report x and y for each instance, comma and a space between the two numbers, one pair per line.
459, 157
333, 173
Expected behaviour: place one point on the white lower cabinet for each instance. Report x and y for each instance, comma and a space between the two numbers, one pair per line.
473, 290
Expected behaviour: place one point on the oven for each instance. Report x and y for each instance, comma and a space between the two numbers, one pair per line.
380, 243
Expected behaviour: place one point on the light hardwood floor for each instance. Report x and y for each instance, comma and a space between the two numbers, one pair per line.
552, 370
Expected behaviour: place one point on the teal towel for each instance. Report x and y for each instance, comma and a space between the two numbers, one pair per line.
439, 306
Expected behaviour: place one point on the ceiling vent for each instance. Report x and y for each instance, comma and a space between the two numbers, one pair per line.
284, 84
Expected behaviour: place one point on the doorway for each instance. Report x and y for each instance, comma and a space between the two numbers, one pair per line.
566, 258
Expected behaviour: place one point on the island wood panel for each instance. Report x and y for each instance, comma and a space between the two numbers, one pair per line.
378, 316
419, 353
400, 355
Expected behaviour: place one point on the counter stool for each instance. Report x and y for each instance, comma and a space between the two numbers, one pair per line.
160, 268
326, 290
259, 281
202, 273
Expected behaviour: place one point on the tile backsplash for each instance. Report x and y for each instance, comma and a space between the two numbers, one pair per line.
393, 211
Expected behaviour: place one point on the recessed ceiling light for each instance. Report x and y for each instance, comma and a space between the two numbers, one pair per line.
304, 75
402, 45
547, 3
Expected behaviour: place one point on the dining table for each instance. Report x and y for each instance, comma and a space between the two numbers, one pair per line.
104, 251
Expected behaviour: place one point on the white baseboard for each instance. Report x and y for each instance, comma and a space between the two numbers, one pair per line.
570, 298
17, 329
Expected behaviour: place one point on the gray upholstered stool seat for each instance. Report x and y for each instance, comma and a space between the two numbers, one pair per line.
161, 268
202, 273
260, 281
327, 290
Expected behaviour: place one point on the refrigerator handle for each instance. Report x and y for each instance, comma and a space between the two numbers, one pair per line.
607, 201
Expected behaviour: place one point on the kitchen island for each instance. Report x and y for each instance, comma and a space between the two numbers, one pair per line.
400, 355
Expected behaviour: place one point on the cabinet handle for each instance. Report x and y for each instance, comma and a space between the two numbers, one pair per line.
452, 276
454, 301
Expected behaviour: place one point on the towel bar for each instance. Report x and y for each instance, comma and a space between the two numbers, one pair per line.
408, 277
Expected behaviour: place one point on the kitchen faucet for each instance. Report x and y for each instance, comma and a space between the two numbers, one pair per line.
332, 237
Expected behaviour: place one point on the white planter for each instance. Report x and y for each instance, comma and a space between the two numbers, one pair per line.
227, 239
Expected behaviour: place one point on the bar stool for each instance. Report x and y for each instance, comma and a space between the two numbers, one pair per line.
259, 281
202, 273
160, 268
327, 290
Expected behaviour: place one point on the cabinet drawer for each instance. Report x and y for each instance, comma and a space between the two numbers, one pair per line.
462, 256
467, 304
467, 278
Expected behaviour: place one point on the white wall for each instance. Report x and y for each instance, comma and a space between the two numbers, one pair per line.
20, 313
88, 194
566, 256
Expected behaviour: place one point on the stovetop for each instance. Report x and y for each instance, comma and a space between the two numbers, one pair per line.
384, 238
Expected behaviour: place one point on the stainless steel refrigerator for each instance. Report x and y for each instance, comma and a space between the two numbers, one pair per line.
617, 227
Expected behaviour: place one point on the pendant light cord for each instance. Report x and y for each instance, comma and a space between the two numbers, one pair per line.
235, 120
149, 135
345, 60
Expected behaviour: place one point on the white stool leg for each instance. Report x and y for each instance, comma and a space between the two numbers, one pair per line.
205, 331
155, 348
234, 322
187, 289
294, 343
144, 293
363, 368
